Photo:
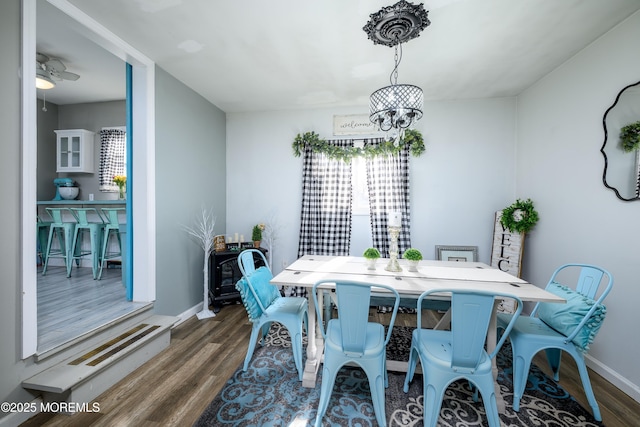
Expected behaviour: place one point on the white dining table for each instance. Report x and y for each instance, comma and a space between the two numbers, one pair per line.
309, 269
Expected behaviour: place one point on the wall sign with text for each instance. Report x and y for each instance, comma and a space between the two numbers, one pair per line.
356, 124
506, 254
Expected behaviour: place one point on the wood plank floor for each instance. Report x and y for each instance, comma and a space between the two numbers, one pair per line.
175, 387
69, 307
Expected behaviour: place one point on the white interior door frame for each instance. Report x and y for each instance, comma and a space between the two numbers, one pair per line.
144, 241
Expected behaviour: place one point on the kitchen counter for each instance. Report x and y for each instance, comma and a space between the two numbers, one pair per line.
81, 202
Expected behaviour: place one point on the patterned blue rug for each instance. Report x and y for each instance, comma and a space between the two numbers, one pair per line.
269, 394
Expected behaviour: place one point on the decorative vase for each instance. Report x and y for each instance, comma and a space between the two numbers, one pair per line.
413, 265
256, 243
371, 263
121, 193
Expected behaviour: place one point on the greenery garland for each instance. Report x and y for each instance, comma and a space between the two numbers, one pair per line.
630, 137
412, 138
520, 217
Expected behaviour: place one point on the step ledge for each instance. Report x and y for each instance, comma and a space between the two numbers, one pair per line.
63, 377
40, 356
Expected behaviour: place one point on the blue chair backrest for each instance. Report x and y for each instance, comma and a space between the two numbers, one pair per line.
353, 320
246, 261
111, 215
471, 312
56, 214
589, 280
353, 312
82, 215
470, 315
247, 266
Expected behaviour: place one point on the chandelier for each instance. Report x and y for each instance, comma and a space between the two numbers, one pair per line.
397, 105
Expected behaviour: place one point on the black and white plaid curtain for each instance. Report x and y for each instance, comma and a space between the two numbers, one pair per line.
325, 219
388, 183
112, 158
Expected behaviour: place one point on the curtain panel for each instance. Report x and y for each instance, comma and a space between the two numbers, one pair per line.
325, 218
388, 184
112, 158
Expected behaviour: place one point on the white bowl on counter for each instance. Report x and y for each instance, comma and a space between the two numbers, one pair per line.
68, 193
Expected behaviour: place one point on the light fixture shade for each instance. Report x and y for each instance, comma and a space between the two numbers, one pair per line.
396, 106
43, 81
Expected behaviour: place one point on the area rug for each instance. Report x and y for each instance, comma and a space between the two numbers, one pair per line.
269, 394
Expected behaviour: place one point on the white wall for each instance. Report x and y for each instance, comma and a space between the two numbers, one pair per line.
559, 165
465, 175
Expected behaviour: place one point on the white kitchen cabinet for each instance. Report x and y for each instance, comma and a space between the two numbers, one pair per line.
75, 150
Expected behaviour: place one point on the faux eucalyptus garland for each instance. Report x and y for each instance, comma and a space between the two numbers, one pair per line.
520, 217
412, 138
630, 137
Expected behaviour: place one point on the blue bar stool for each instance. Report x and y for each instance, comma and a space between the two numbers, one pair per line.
64, 231
94, 228
111, 228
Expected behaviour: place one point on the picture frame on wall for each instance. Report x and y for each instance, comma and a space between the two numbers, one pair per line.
457, 253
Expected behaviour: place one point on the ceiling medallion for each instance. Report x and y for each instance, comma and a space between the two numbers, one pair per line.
396, 106
396, 24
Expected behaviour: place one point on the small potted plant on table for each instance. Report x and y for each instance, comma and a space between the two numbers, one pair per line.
371, 255
413, 256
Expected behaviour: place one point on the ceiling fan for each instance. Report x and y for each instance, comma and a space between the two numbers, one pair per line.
50, 69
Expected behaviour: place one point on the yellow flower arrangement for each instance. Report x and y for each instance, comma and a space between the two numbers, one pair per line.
120, 181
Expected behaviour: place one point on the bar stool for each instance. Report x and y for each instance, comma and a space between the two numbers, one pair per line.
111, 228
64, 231
42, 234
95, 234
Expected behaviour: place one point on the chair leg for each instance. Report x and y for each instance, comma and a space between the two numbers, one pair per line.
411, 368
264, 331
554, 356
487, 389
521, 365
103, 251
432, 403
326, 387
78, 235
586, 384
52, 231
68, 246
377, 387
252, 345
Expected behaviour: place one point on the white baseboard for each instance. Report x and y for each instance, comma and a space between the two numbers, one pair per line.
186, 315
633, 390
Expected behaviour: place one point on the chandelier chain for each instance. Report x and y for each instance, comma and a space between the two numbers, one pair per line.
393, 77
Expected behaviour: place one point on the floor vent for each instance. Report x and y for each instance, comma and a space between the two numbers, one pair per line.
122, 346
106, 345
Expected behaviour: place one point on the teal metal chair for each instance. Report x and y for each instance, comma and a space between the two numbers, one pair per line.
63, 230
84, 225
557, 327
111, 229
351, 338
265, 305
458, 354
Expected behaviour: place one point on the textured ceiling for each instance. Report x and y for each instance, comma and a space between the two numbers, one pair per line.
257, 55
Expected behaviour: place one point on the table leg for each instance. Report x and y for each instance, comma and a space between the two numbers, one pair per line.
314, 342
492, 340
